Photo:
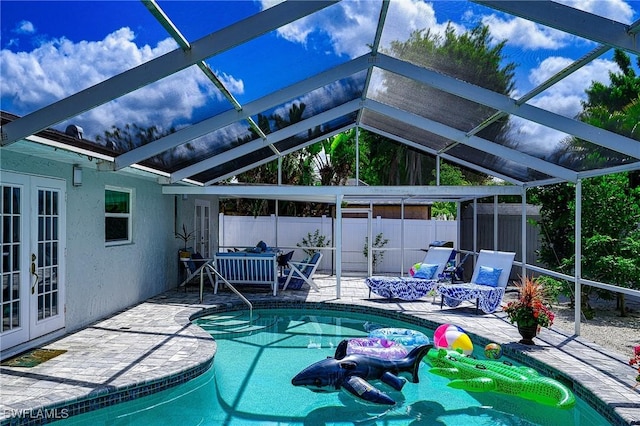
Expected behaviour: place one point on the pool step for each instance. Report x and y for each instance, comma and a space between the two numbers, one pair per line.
239, 330
234, 324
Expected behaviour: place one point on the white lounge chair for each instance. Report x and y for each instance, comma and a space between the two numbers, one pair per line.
302, 272
487, 285
411, 288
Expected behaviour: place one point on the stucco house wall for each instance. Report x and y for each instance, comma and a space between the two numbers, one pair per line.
100, 279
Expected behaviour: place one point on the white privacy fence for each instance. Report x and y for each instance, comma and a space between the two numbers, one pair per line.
286, 232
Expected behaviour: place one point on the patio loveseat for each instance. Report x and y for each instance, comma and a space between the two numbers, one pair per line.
247, 268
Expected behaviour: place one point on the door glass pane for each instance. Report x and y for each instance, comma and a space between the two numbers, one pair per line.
15, 286
48, 256
54, 278
47, 305
40, 203
47, 253
16, 257
47, 205
6, 249
6, 228
16, 229
54, 303
41, 307
15, 315
47, 228
6, 200
54, 253
16, 200
10, 265
5, 294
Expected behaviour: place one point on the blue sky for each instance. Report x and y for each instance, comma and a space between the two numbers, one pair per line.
52, 49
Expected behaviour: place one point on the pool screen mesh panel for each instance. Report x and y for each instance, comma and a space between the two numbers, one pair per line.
255, 97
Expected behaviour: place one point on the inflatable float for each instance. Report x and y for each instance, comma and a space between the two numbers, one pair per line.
485, 375
404, 336
354, 373
371, 346
452, 337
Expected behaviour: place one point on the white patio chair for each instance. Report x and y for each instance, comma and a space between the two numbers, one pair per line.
302, 272
193, 268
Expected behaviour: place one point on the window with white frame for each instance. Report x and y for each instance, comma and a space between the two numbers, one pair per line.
117, 215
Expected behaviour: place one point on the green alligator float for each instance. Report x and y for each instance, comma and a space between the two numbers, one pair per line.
483, 376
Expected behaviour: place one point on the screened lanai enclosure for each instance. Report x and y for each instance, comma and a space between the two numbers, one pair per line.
212, 89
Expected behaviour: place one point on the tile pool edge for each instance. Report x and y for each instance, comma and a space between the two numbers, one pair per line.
511, 350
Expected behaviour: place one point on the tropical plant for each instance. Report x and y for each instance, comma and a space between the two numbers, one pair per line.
474, 57
378, 255
610, 233
532, 307
314, 242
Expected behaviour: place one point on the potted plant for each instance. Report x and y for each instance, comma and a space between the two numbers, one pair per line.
185, 237
531, 310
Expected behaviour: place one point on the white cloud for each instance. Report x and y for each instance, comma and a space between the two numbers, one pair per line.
525, 34
563, 98
60, 68
618, 10
351, 25
404, 17
531, 36
25, 27
348, 25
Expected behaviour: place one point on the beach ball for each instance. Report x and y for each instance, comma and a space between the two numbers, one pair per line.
449, 336
493, 351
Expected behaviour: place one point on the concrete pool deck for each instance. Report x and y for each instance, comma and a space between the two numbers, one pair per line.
152, 346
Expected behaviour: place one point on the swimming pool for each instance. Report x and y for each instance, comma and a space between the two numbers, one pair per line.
250, 383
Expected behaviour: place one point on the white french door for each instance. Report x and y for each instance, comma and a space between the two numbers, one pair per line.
32, 237
202, 226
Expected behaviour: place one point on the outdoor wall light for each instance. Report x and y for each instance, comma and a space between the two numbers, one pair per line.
77, 175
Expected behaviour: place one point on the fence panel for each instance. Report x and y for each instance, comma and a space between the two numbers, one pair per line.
242, 231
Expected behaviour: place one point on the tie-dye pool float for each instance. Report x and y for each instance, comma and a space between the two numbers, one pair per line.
371, 346
384, 343
405, 336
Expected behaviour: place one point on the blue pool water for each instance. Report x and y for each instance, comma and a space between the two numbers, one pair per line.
250, 384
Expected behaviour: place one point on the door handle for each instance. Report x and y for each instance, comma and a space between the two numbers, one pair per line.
34, 273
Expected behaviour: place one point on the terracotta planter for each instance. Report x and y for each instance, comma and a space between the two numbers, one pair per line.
528, 332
